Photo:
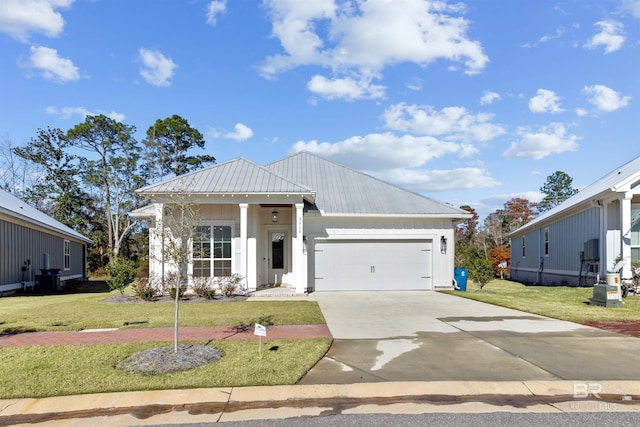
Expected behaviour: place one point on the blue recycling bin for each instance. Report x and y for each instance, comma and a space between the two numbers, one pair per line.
460, 275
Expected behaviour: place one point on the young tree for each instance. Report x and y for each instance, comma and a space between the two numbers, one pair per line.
177, 228
113, 172
167, 148
556, 189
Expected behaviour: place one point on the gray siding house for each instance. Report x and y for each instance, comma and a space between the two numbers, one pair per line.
33, 244
307, 223
584, 237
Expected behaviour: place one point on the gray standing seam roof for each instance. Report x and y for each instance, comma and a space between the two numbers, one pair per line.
335, 189
342, 190
234, 176
16, 208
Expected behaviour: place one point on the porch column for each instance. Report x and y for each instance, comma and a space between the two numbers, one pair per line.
625, 241
299, 260
156, 248
242, 262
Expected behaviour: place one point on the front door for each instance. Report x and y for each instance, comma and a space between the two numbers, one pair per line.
277, 252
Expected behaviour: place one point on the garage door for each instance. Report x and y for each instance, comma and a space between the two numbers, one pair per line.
348, 265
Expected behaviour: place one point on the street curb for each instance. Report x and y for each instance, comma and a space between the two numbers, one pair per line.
250, 403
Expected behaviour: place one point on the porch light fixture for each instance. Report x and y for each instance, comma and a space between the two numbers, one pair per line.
274, 216
443, 245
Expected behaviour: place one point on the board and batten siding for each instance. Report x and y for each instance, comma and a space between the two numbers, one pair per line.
566, 241
19, 243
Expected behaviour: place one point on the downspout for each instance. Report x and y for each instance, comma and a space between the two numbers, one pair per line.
602, 238
539, 272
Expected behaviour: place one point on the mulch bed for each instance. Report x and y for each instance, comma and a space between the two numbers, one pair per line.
126, 299
626, 328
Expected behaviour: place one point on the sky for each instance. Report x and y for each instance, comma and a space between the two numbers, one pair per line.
466, 102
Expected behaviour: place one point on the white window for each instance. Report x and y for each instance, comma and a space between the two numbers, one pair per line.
67, 255
212, 251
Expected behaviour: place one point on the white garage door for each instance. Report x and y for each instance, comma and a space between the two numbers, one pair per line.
357, 265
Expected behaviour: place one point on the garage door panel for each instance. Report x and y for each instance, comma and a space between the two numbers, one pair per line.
372, 265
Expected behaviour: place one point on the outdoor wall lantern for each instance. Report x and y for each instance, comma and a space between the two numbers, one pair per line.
443, 245
274, 216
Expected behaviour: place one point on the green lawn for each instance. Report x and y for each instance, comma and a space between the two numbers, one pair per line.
72, 370
73, 312
560, 302
68, 370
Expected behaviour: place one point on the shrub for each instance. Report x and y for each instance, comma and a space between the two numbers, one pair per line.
122, 272
209, 294
480, 271
172, 292
230, 285
144, 288
200, 285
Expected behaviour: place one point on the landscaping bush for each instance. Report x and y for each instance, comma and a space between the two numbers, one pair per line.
200, 285
144, 288
230, 285
122, 272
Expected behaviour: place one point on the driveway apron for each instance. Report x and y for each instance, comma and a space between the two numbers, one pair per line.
430, 336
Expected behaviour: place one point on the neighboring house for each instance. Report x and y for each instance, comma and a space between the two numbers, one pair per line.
33, 244
584, 237
308, 223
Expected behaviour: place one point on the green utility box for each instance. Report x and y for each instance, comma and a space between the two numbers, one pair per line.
606, 296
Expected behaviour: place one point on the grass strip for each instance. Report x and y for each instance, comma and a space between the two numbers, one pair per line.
558, 302
76, 312
72, 370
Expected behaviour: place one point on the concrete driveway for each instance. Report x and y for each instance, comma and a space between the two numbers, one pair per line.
429, 336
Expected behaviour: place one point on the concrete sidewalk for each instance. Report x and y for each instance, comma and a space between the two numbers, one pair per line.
253, 403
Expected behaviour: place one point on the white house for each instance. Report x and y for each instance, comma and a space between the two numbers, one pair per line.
35, 246
308, 223
585, 236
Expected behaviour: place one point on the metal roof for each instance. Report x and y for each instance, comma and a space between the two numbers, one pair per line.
234, 176
342, 190
620, 180
16, 208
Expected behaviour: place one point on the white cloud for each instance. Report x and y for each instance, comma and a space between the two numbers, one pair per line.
69, 112
19, 18
157, 69
611, 36
552, 139
425, 180
380, 151
451, 123
546, 101
581, 112
346, 88
401, 160
488, 97
415, 84
362, 38
632, 7
214, 9
52, 66
548, 37
241, 133
606, 99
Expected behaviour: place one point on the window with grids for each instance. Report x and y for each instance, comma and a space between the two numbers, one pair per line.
212, 251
